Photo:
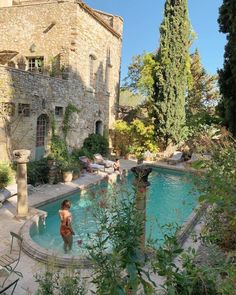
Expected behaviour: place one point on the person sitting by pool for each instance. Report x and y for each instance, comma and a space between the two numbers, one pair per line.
66, 230
116, 166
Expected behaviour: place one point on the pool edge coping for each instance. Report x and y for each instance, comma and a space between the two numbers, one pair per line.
45, 255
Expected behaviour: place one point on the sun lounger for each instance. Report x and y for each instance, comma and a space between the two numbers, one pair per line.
7, 192
10, 191
196, 157
176, 158
90, 167
98, 159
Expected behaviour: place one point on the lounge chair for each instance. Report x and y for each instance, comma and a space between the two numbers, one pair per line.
10, 259
98, 159
7, 192
9, 286
90, 167
176, 158
10, 191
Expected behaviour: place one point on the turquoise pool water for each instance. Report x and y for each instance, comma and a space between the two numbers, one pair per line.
171, 198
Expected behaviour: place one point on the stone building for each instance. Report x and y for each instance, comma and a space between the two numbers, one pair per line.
53, 54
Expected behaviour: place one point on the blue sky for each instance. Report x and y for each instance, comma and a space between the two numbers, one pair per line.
141, 28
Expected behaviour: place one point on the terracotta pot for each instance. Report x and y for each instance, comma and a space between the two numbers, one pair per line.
67, 176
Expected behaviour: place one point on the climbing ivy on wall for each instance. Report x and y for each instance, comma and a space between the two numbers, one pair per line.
70, 109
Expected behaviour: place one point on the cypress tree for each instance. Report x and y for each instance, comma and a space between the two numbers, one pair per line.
172, 72
227, 75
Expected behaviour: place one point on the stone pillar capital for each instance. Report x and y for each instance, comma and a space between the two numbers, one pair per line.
21, 156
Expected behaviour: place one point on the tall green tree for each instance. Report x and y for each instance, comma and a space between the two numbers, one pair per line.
227, 75
203, 93
171, 72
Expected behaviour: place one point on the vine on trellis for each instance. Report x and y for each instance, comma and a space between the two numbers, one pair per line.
70, 109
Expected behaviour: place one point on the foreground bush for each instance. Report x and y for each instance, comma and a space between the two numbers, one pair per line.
6, 176
96, 144
37, 172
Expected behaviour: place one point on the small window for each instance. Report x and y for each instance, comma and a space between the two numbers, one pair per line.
59, 111
99, 127
24, 109
7, 109
35, 64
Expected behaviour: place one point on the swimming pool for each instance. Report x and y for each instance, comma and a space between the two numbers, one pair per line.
171, 198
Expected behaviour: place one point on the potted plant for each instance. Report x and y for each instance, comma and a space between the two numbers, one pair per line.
67, 171
50, 160
76, 173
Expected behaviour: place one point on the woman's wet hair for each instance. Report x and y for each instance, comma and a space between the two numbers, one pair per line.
65, 204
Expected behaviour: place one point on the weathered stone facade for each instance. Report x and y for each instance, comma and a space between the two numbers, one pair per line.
51, 54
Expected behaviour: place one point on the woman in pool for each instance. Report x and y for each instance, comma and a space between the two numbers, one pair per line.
66, 230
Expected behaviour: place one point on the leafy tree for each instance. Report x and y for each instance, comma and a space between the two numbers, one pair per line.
136, 137
140, 74
203, 93
227, 75
171, 72
128, 98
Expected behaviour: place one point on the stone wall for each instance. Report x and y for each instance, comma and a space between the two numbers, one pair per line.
43, 94
71, 32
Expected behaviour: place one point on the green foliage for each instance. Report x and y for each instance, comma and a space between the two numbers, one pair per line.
171, 73
121, 137
203, 94
96, 143
115, 251
37, 172
227, 75
5, 175
192, 278
45, 281
128, 98
70, 109
76, 153
66, 165
53, 281
203, 137
142, 138
137, 137
59, 148
53, 124
140, 75
219, 188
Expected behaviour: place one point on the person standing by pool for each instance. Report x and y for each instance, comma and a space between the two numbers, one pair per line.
66, 230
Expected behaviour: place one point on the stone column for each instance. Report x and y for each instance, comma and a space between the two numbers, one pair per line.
21, 158
141, 183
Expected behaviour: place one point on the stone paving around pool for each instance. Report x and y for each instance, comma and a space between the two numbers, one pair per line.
42, 194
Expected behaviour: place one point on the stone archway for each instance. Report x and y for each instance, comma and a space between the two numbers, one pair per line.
41, 136
99, 127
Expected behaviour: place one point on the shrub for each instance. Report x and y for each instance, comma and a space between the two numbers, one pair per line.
96, 143
5, 175
218, 187
61, 282
37, 172
76, 153
59, 149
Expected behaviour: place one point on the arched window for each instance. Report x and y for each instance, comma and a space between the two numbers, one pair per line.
99, 127
41, 135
